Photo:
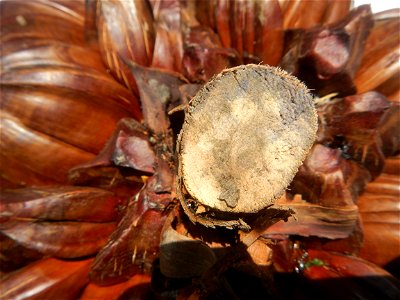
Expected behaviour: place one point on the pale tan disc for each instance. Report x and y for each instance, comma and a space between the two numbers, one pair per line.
245, 134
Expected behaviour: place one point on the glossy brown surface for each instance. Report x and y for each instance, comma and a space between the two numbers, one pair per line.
37, 154
381, 54
59, 239
379, 209
125, 32
67, 90
46, 279
326, 57
132, 288
59, 203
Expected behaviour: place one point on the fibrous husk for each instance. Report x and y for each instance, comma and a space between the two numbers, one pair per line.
245, 134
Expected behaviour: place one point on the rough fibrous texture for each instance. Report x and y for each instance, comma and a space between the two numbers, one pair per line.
244, 137
78, 74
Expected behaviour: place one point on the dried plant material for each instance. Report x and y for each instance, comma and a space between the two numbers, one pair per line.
381, 54
118, 291
358, 125
60, 101
392, 165
40, 20
159, 92
30, 157
294, 10
91, 82
328, 179
132, 248
260, 253
389, 130
324, 271
380, 210
314, 220
59, 204
168, 49
203, 55
47, 279
349, 245
58, 113
126, 32
128, 146
55, 54
253, 29
14, 256
327, 270
322, 12
326, 58
245, 134
336, 10
59, 239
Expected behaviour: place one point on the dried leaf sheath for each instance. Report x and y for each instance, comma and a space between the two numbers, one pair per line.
36, 147
59, 204
382, 54
198, 39
47, 279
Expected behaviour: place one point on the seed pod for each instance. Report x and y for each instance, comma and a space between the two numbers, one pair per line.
245, 134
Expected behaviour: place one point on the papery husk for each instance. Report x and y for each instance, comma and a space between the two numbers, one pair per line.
358, 125
380, 209
159, 93
326, 57
58, 204
389, 130
40, 22
293, 11
49, 88
381, 54
14, 256
126, 32
314, 220
30, 157
56, 54
48, 278
168, 45
204, 57
392, 165
59, 239
89, 82
328, 179
323, 12
138, 287
253, 29
328, 270
128, 146
69, 112
133, 247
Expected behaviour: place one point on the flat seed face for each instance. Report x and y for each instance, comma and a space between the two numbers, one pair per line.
245, 134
